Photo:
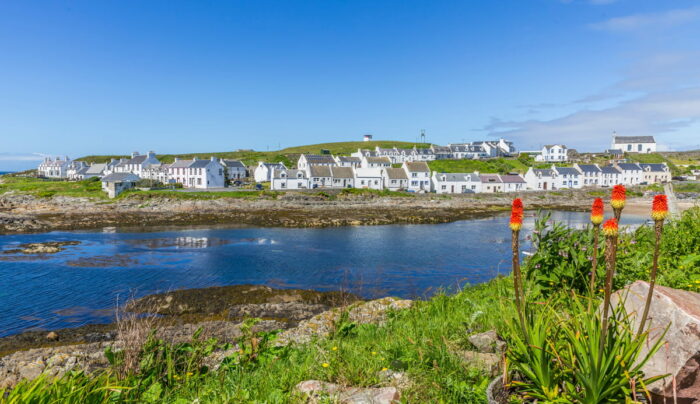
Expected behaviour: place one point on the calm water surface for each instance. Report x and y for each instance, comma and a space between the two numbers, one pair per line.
83, 283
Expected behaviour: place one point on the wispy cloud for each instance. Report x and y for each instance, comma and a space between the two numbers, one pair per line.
22, 156
659, 20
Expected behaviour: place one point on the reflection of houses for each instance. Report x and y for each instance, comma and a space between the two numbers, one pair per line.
116, 183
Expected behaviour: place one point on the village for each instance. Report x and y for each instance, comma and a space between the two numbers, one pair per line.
391, 169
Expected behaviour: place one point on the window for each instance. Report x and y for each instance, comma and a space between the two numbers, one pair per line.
414, 175
629, 147
639, 147
444, 187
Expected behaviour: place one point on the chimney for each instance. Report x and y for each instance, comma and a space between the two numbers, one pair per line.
112, 160
151, 153
177, 159
194, 158
212, 158
134, 154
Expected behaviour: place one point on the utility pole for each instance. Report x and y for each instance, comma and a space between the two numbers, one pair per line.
422, 135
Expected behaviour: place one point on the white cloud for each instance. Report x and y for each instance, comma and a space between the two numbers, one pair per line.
659, 20
661, 113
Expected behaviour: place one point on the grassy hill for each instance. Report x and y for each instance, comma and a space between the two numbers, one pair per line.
499, 165
287, 156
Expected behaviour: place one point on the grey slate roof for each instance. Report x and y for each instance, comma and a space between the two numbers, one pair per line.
490, 178
568, 171
341, 172
120, 177
348, 159
630, 166
96, 169
319, 159
455, 177
515, 179
319, 171
653, 167
633, 139
290, 173
417, 166
232, 163
609, 170
396, 174
200, 163
543, 172
589, 168
378, 160
181, 164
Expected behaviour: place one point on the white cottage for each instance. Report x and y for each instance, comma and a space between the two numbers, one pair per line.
418, 174
655, 173
234, 169
610, 176
513, 183
567, 177
540, 180
137, 163
456, 183
375, 162
263, 172
305, 160
370, 178
289, 179
116, 183
631, 173
342, 177
54, 168
590, 174
395, 179
553, 152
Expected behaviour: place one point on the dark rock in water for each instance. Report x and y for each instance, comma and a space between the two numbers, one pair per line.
229, 300
49, 247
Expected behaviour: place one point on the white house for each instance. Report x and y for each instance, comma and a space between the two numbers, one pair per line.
631, 173
567, 177
305, 160
395, 179
197, 173
234, 169
553, 152
137, 163
590, 174
76, 169
54, 168
491, 183
320, 176
343, 177
116, 183
540, 180
263, 172
655, 173
420, 154
394, 155
289, 179
366, 177
456, 183
634, 144
610, 176
418, 174
441, 152
513, 183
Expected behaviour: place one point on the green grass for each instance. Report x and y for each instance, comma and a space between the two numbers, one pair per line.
288, 155
686, 187
498, 165
48, 188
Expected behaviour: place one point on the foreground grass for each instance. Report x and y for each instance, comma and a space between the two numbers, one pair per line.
47, 188
422, 341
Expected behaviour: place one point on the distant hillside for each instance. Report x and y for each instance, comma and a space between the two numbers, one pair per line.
288, 155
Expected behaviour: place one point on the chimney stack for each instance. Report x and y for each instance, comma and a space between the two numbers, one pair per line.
134, 154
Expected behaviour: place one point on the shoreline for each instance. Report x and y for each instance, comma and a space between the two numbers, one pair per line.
22, 213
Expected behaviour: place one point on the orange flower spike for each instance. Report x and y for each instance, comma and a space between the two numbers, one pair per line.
610, 228
516, 215
659, 208
597, 211
618, 197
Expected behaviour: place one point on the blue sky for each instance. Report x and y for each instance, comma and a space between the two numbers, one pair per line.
110, 77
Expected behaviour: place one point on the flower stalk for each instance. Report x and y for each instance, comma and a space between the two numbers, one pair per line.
610, 229
597, 212
659, 212
516, 223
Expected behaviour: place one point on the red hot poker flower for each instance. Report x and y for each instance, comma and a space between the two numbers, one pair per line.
618, 197
659, 208
610, 228
516, 215
597, 211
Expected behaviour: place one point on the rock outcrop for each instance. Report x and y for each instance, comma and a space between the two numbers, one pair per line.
679, 357
318, 391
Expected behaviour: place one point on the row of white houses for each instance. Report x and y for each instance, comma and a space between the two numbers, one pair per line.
473, 150
593, 175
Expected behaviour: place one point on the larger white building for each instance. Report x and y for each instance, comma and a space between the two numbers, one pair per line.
634, 144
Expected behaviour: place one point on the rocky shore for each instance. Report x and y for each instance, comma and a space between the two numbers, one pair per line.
219, 311
26, 213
